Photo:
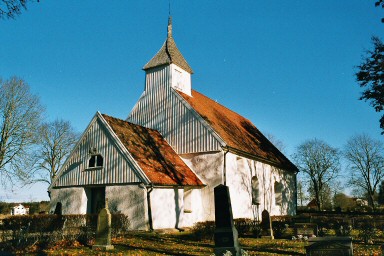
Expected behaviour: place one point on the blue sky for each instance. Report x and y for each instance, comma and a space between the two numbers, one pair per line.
288, 66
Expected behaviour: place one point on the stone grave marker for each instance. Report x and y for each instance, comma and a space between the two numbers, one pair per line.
103, 233
306, 229
58, 209
266, 225
329, 246
226, 238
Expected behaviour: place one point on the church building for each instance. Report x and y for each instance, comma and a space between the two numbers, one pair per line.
160, 166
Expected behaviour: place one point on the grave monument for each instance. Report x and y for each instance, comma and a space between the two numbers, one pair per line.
103, 233
226, 238
266, 225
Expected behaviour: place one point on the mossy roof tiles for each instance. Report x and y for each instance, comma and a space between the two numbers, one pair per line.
153, 154
237, 132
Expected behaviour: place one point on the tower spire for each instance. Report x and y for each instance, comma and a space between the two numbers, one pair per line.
169, 53
170, 26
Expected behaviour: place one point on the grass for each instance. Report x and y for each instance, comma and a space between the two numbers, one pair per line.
151, 243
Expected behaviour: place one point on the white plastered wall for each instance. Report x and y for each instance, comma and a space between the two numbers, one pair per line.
167, 208
209, 168
239, 173
73, 200
180, 79
130, 200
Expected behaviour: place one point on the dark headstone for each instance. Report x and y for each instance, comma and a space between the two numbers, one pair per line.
226, 238
58, 209
306, 229
103, 234
266, 225
332, 246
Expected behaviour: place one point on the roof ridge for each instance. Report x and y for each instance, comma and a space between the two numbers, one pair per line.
116, 118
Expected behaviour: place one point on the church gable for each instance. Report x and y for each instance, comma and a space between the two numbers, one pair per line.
97, 159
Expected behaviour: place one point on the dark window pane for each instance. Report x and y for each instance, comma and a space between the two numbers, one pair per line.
99, 160
92, 161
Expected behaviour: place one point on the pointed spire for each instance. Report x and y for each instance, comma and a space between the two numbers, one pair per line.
169, 27
169, 53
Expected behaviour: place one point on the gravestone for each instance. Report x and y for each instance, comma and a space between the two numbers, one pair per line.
103, 233
226, 238
58, 209
306, 229
332, 246
266, 225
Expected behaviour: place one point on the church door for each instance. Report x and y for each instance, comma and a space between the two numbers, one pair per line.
96, 199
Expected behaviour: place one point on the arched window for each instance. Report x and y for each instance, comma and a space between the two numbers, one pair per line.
187, 200
255, 191
278, 193
96, 160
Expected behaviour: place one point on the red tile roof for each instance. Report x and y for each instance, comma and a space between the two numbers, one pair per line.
154, 155
238, 132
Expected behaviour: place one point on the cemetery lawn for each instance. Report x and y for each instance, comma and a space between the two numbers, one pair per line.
151, 243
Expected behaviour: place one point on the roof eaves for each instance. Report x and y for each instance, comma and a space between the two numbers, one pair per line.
239, 152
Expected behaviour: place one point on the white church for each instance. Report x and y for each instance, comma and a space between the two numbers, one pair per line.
161, 164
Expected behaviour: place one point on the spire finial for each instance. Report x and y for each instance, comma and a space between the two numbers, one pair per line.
170, 26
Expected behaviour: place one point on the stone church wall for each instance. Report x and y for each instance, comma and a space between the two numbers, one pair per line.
209, 168
167, 208
240, 172
130, 200
73, 200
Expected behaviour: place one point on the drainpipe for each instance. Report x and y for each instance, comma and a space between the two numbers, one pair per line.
149, 189
225, 166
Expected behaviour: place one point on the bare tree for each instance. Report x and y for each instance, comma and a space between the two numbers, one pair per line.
320, 164
12, 8
20, 113
279, 144
301, 195
366, 163
57, 140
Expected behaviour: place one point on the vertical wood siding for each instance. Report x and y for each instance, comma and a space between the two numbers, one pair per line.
116, 168
161, 109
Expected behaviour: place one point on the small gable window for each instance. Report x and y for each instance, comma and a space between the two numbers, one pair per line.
96, 160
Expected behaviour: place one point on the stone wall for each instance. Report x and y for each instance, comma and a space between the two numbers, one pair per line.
73, 200
130, 200
167, 208
209, 168
239, 173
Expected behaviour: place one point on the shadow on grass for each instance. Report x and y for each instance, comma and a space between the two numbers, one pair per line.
169, 244
270, 250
